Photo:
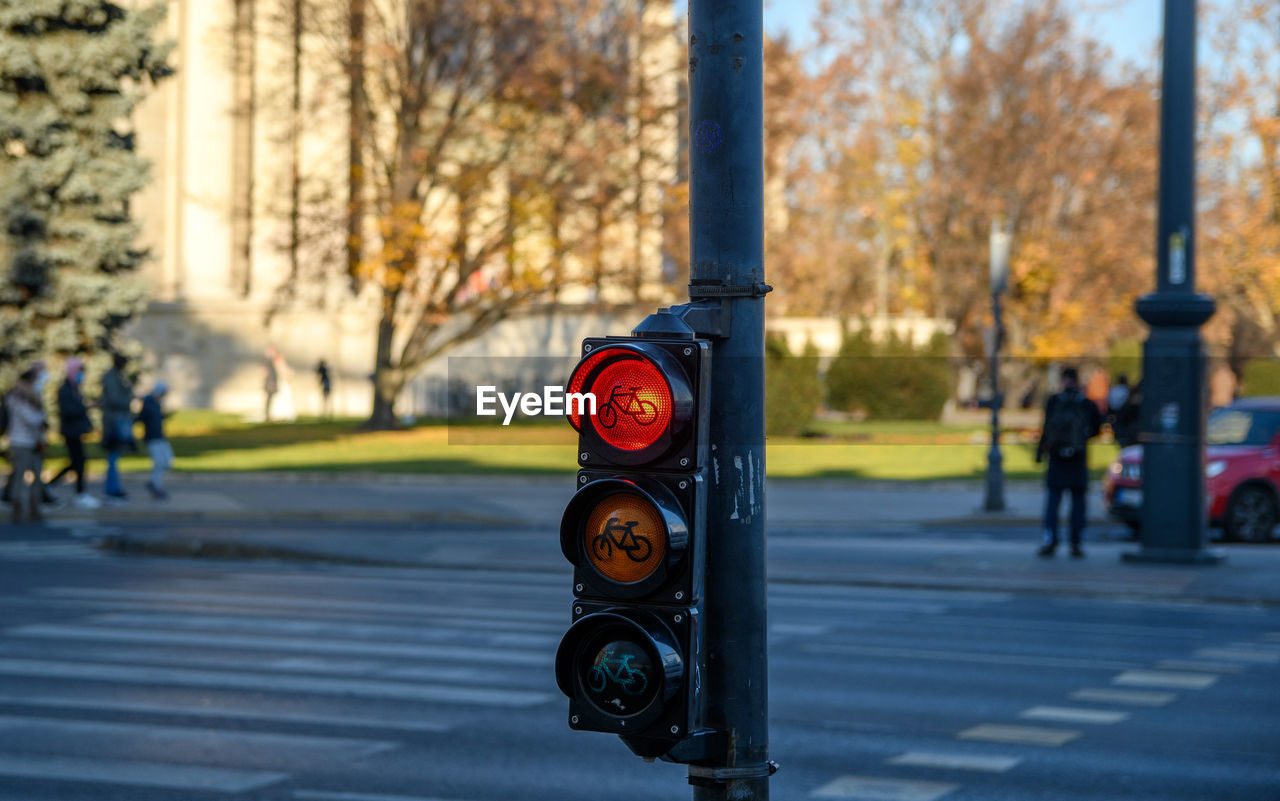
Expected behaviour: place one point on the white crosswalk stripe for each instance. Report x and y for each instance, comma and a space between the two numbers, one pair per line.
276, 655
45, 551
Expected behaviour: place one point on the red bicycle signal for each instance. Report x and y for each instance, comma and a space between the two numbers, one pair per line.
638, 403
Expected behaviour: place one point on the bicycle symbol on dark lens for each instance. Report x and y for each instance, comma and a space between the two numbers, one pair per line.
618, 670
621, 536
624, 401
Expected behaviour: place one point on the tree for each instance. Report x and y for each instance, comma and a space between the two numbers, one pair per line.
932, 119
499, 151
71, 73
1239, 183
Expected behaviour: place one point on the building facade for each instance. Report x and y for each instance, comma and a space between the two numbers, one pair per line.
245, 216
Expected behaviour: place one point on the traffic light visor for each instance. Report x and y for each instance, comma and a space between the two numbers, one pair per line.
633, 399
625, 537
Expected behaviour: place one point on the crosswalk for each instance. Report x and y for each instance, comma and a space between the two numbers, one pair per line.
151, 680
242, 682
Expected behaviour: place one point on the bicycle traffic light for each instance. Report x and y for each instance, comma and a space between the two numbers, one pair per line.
634, 534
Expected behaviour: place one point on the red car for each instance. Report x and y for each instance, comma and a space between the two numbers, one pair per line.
1242, 472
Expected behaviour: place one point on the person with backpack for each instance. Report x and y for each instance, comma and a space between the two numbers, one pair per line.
152, 418
117, 424
1070, 421
74, 425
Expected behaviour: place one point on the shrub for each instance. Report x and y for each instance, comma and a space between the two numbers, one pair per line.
1261, 377
792, 391
890, 380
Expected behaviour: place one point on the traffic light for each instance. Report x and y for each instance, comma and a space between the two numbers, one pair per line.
634, 532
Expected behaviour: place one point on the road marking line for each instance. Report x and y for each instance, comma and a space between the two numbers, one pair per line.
1169, 679
1019, 735
517, 636
1239, 655
1134, 697
223, 712
182, 677
23, 728
307, 604
929, 759
968, 656
798, 629
310, 645
1205, 667
150, 655
1063, 714
871, 788
320, 795
143, 774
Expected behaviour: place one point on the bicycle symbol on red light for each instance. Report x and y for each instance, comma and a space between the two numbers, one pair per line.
622, 401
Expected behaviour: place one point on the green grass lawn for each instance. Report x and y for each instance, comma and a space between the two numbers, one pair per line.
212, 442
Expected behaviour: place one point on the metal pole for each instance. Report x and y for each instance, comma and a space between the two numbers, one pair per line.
994, 501
1173, 360
726, 216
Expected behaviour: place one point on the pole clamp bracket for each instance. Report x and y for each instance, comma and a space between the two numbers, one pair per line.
704, 776
756, 290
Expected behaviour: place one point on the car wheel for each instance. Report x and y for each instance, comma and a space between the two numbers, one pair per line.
1251, 515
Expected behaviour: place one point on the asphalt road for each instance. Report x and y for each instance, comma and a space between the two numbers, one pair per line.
154, 678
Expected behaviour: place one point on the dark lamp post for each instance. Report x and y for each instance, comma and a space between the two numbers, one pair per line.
1173, 358
999, 273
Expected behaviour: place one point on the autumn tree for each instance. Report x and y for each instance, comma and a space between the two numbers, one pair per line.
499, 152
934, 119
71, 74
1239, 186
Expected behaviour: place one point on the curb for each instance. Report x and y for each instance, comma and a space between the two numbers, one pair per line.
198, 549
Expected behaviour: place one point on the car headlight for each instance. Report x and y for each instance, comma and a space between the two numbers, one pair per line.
1215, 468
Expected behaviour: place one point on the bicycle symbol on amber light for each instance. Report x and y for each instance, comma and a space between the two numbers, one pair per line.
624, 401
621, 536
617, 669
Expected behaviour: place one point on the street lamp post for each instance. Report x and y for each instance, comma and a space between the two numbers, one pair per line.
1173, 358
999, 271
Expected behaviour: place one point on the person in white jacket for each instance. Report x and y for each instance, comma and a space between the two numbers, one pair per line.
27, 439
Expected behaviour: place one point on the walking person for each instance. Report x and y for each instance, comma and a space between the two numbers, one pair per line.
1117, 396
152, 417
271, 384
1070, 421
326, 388
74, 425
117, 424
27, 429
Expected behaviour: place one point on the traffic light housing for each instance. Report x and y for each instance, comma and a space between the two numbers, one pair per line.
635, 534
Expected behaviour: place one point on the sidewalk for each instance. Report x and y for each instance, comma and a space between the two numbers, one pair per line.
540, 500
882, 534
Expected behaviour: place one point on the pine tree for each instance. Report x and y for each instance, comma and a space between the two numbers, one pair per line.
71, 73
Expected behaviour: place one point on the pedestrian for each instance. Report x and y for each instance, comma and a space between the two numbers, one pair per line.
74, 425
326, 388
271, 384
1070, 421
1116, 397
1128, 418
117, 424
152, 417
27, 427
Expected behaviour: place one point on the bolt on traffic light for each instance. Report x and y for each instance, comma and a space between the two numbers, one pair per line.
634, 534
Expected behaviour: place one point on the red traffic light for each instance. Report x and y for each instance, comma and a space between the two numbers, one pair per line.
638, 402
